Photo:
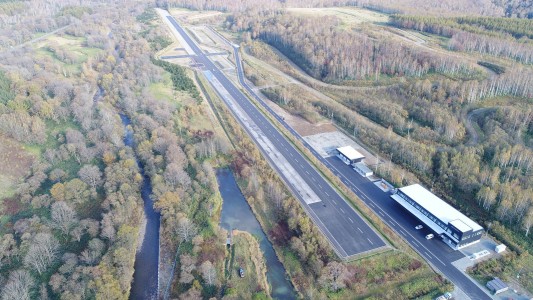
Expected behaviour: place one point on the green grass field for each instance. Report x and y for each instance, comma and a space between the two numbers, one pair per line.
245, 253
74, 46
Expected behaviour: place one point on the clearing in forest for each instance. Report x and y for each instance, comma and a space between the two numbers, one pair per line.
66, 51
15, 161
348, 15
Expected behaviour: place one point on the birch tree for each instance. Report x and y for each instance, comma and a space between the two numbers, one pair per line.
209, 273
18, 286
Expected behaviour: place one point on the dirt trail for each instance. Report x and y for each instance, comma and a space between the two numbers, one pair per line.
471, 128
42, 37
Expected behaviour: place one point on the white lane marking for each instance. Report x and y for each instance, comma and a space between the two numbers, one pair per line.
359, 229
350, 220
342, 210
371, 203
370, 241
307, 173
326, 193
379, 211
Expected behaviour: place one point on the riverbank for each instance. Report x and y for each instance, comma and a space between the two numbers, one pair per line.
142, 233
237, 214
146, 267
245, 253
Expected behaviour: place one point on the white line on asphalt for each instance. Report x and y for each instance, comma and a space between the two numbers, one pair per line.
370, 241
438, 258
359, 229
350, 220
341, 210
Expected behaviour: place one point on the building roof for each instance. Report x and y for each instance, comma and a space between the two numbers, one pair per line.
427, 221
362, 167
440, 209
496, 284
350, 153
460, 225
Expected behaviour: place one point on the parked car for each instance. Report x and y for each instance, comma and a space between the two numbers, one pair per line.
419, 227
429, 236
241, 272
446, 296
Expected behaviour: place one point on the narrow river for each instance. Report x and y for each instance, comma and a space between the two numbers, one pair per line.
237, 214
145, 277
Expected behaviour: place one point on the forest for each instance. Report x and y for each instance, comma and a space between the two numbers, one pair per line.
501, 37
458, 119
334, 55
71, 227
469, 138
449, 7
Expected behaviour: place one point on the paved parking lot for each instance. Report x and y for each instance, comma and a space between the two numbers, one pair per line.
326, 143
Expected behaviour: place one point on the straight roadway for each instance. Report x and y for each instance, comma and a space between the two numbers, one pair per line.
395, 216
438, 254
345, 229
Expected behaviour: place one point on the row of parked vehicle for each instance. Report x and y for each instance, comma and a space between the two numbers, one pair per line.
429, 236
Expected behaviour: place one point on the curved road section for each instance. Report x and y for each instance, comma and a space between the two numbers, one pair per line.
345, 229
435, 252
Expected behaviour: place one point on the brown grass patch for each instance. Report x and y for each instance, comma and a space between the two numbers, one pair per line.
15, 162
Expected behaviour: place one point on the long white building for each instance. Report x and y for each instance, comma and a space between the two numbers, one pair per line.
456, 229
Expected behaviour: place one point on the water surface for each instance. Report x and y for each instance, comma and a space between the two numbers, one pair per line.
237, 214
145, 277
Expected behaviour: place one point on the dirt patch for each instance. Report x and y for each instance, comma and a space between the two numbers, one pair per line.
15, 162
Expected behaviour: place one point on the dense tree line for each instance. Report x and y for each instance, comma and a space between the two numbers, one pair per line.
516, 8
180, 80
464, 41
73, 223
289, 99
221, 5
492, 26
433, 7
495, 36
5, 90
328, 53
21, 20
